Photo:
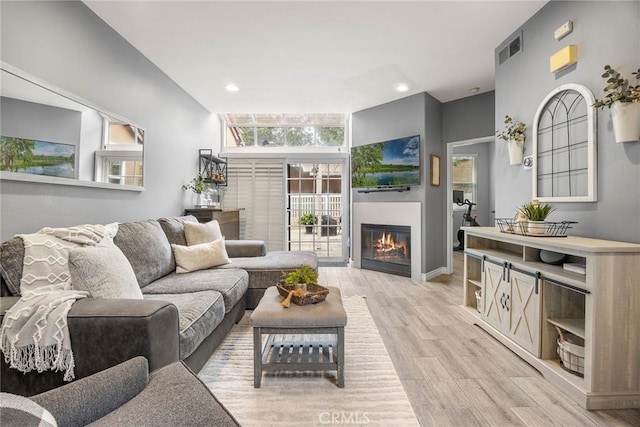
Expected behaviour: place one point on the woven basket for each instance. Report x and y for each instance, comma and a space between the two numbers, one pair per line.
571, 352
315, 293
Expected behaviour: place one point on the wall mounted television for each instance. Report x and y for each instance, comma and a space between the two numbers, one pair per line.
386, 164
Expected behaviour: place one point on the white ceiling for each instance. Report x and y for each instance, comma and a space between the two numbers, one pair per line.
318, 56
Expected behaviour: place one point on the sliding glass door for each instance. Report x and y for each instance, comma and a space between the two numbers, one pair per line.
316, 208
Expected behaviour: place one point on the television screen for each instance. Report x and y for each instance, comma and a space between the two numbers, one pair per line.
386, 164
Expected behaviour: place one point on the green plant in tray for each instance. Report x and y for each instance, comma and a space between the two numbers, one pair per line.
304, 274
534, 211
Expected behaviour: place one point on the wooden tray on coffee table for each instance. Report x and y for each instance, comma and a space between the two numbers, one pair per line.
313, 295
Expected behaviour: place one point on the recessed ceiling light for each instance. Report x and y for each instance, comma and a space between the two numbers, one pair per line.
232, 87
402, 87
474, 90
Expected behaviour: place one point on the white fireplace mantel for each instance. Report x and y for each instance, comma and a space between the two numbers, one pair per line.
392, 213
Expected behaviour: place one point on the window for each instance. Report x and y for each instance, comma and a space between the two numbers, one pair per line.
464, 175
285, 130
121, 160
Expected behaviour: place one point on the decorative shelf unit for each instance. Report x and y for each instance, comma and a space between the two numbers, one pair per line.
524, 300
212, 167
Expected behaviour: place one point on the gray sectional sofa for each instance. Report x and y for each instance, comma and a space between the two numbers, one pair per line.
182, 316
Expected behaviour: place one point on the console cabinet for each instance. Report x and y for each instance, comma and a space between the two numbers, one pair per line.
522, 302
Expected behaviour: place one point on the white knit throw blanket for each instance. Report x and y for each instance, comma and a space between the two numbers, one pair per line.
34, 333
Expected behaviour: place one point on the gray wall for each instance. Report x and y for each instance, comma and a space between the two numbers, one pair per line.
468, 118
67, 45
605, 33
22, 119
417, 114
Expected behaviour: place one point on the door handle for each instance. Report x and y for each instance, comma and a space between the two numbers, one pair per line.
506, 302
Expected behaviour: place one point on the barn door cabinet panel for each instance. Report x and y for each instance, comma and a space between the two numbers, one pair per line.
512, 303
525, 303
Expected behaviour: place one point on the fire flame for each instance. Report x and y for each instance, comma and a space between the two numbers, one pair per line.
387, 244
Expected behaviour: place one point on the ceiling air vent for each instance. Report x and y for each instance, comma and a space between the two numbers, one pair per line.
510, 48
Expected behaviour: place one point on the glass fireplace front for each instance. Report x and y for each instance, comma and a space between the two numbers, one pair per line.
386, 248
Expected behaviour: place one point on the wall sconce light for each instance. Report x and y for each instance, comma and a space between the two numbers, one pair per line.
563, 58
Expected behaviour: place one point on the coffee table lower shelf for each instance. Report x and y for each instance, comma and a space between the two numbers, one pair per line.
298, 349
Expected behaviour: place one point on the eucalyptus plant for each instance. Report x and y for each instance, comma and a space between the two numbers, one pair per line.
197, 184
512, 130
618, 88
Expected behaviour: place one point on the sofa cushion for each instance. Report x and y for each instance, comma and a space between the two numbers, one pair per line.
174, 397
11, 259
198, 315
200, 257
245, 248
232, 283
267, 270
197, 233
174, 229
146, 247
103, 271
20, 411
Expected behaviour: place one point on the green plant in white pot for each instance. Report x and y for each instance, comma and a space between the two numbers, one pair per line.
513, 134
197, 185
624, 101
536, 214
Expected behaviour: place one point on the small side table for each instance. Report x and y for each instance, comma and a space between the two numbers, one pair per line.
281, 352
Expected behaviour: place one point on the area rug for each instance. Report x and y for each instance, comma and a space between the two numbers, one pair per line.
372, 396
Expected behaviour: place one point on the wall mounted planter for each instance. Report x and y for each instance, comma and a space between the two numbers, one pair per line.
516, 150
626, 121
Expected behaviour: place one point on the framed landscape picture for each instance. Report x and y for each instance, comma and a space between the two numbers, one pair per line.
37, 157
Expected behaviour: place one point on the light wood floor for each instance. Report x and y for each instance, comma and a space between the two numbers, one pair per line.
453, 372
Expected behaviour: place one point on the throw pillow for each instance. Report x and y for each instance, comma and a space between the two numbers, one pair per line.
200, 257
103, 271
197, 233
20, 411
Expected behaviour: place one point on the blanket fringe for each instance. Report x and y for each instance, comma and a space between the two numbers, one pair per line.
32, 357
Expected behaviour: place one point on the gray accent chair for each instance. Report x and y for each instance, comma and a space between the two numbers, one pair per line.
127, 394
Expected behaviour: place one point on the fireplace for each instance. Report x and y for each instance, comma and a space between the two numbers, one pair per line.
386, 248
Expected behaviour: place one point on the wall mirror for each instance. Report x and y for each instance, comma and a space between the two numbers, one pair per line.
51, 136
564, 146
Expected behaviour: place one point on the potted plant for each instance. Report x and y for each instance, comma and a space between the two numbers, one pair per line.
197, 185
535, 214
513, 134
624, 101
303, 275
301, 287
308, 220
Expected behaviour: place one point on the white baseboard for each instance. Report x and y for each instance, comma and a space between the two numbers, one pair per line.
434, 273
